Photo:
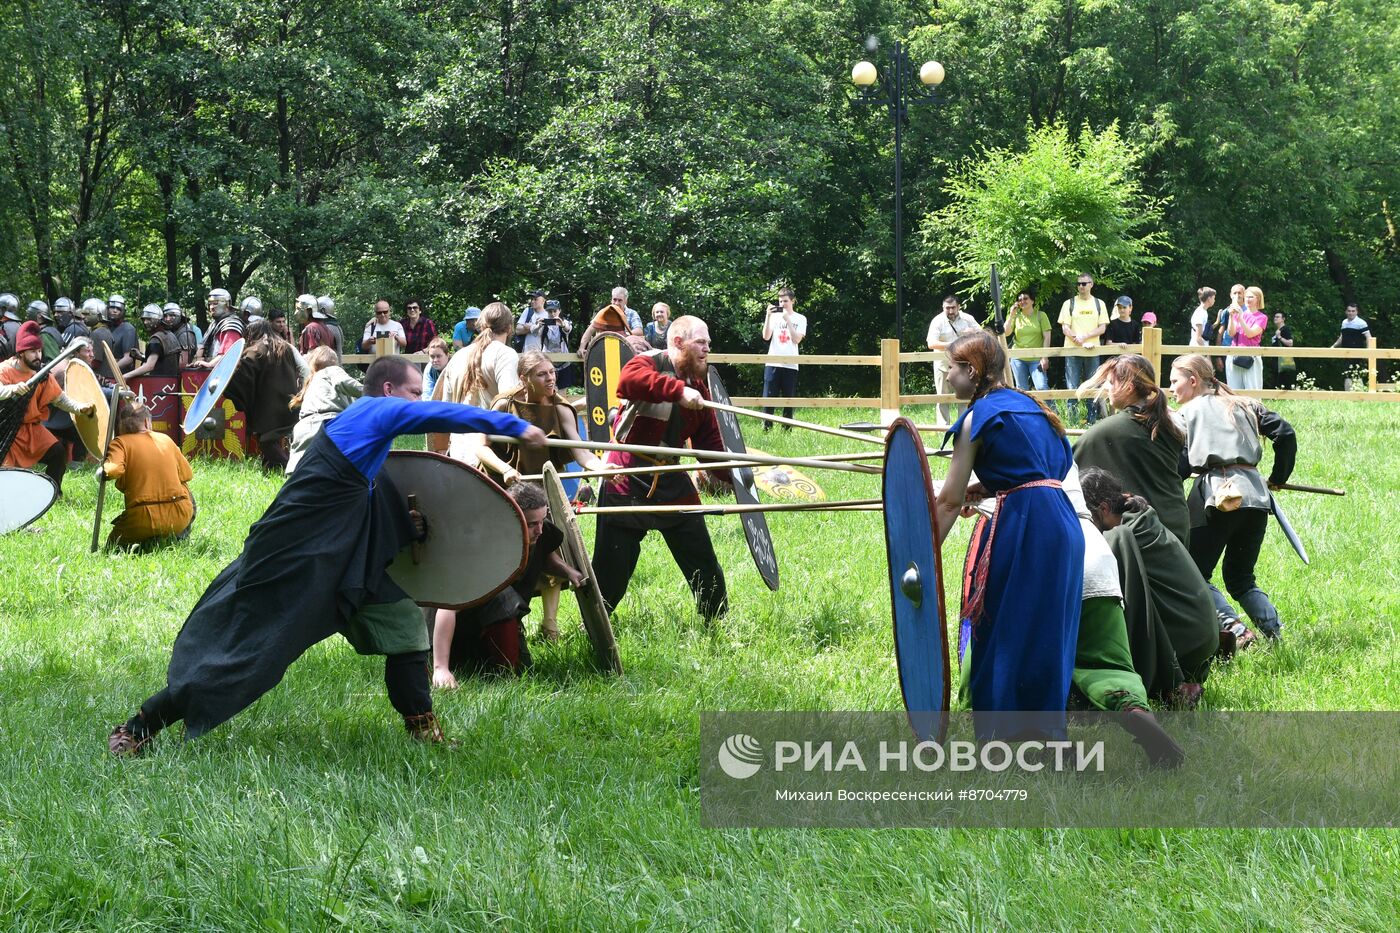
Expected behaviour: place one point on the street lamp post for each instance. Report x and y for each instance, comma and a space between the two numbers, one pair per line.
896, 91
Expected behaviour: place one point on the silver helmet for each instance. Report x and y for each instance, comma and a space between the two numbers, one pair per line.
93, 310
117, 301
63, 306
220, 303
305, 304
150, 313
173, 308
251, 308
39, 311
9, 307
325, 306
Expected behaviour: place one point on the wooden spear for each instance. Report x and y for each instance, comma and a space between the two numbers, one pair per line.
698, 454
855, 505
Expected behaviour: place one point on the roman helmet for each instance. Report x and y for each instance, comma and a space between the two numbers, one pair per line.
220, 303
63, 308
151, 315
93, 310
172, 314
304, 306
9, 307
116, 308
252, 309
325, 307
39, 311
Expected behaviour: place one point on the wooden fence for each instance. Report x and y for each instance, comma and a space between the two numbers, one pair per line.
890, 360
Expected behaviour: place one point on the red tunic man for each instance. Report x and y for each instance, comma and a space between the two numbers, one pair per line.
664, 391
34, 443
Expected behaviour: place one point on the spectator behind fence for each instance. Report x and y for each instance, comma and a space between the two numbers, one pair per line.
947, 326
655, 332
465, 330
1028, 329
553, 330
1353, 336
784, 329
1200, 318
1246, 329
1083, 319
1123, 331
1285, 368
381, 325
419, 329
634, 320
525, 337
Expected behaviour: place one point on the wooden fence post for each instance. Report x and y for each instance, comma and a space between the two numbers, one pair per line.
384, 346
889, 380
1371, 365
1152, 349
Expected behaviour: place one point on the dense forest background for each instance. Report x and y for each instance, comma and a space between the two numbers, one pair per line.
697, 151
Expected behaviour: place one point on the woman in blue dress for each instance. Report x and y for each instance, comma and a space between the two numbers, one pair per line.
1026, 565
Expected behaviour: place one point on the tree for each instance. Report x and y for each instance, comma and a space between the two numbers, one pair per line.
1042, 215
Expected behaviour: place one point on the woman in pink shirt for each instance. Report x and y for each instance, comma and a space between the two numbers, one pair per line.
1245, 370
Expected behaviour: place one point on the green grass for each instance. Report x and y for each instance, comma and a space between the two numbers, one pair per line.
573, 802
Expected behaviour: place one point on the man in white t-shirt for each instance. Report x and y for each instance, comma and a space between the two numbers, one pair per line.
1083, 319
1200, 318
382, 325
784, 329
946, 327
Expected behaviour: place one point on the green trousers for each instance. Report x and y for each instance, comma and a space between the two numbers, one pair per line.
1103, 662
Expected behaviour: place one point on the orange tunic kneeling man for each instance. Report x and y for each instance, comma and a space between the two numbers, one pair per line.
154, 476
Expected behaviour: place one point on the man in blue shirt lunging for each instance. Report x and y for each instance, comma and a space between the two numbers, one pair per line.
316, 564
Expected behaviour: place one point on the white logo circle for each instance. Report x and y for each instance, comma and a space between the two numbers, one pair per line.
740, 756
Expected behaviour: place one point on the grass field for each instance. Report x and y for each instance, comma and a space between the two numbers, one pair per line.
573, 802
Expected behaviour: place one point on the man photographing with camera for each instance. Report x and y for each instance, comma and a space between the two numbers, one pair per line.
382, 325
784, 329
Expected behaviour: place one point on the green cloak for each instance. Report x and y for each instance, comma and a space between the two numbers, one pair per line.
1146, 467
1172, 627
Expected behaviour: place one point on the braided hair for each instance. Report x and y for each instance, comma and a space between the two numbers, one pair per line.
984, 354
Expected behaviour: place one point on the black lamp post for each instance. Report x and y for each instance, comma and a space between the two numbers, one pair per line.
896, 91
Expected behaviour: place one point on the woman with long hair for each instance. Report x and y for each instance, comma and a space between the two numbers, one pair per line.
1141, 443
1167, 609
537, 401
328, 392
262, 387
1230, 501
1246, 327
1026, 565
481, 372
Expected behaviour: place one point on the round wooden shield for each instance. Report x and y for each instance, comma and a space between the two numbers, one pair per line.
212, 389
755, 523
476, 535
785, 483
590, 599
916, 582
80, 383
24, 497
606, 357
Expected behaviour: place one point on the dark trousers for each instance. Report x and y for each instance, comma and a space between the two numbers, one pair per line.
406, 678
618, 544
779, 383
55, 462
1237, 536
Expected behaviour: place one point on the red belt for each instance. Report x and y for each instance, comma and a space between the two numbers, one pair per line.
983, 561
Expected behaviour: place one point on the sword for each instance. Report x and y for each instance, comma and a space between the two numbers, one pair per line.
1288, 531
